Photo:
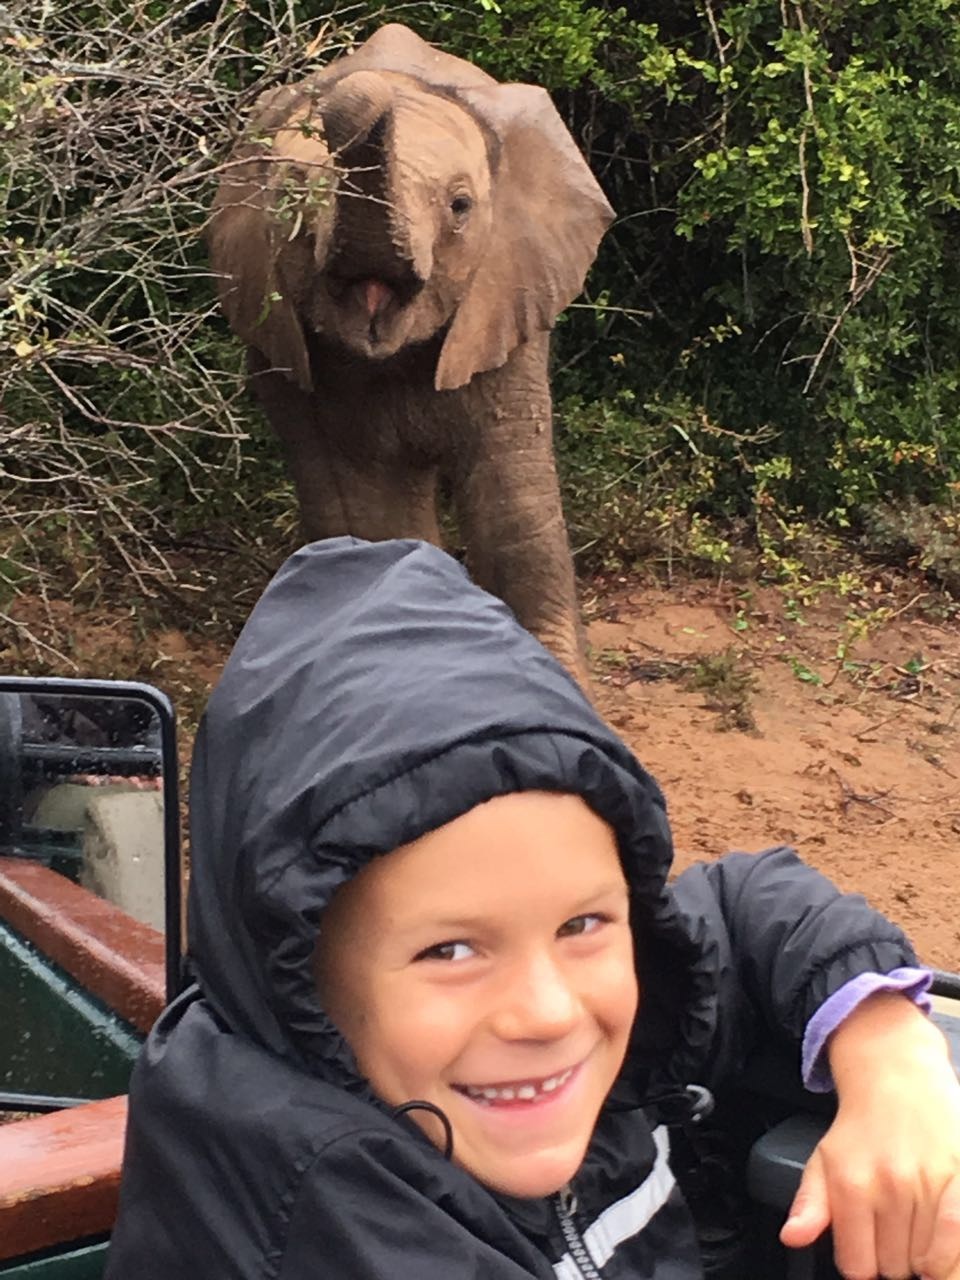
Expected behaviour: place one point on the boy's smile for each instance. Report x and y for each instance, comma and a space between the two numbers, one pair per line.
488, 968
517, 1091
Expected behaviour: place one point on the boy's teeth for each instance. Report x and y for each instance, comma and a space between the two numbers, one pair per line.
524, 1092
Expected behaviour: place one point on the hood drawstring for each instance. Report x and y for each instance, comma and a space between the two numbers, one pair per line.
706, 1174
684, 1108
434, 1111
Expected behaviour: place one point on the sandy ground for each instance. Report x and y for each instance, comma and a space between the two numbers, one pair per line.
854, 759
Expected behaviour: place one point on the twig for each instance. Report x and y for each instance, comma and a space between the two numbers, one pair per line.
849, 796
40, 646
805, 230
859, 291
722, 59
921, 595
862, 735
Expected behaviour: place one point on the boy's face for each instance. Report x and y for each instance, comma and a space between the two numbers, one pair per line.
488, 968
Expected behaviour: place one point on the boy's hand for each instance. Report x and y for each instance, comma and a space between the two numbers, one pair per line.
886, 1175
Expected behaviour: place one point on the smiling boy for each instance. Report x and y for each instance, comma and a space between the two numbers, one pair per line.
448, 1010
509, 1011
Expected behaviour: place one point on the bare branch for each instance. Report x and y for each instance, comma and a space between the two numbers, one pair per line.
121, 392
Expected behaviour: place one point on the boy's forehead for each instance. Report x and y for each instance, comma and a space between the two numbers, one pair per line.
511, 847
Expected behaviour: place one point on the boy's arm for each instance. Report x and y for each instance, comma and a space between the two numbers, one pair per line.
886, 1176
794, 939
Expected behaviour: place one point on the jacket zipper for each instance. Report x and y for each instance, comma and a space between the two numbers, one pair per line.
565, 1203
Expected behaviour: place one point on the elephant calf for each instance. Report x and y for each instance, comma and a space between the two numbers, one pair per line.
394, 239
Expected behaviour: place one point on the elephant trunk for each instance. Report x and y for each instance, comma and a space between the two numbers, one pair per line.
370, 240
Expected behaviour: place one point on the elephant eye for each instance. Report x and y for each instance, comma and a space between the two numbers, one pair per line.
460, 206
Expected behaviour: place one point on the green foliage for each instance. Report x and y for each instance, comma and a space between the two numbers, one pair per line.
919, 536
785, 262
635, 478
771, 333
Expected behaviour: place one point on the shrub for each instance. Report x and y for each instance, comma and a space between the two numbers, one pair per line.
770, 333
123, 415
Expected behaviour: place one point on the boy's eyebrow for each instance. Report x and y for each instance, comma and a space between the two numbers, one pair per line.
618, 887
467, 923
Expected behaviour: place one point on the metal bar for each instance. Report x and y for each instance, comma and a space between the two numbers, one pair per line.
945, 984
40, 1102
72, 759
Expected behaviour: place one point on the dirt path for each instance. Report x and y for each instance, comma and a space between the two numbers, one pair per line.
858, 765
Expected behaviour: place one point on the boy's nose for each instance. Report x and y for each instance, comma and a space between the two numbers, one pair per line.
539, 1003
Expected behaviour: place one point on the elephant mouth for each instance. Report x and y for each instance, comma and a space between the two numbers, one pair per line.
376, 294
373, 302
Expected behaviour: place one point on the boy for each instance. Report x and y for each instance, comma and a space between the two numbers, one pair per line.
447, 1009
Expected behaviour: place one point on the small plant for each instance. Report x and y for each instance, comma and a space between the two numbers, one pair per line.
728, 688
740, 622
612, 659
792, 610
804, 673
856, 627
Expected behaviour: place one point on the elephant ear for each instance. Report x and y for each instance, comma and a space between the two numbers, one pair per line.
259, 262
549, 215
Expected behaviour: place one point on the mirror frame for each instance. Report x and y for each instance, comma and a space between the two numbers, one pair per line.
55, 686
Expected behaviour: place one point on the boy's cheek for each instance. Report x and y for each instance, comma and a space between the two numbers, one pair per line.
619, 985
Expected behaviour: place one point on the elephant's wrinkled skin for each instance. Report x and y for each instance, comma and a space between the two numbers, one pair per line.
394, 239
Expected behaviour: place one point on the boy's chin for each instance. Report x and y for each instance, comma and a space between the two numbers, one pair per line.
532, 1178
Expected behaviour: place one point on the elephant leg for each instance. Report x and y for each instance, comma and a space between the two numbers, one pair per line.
340, 493
371, 500
508, 504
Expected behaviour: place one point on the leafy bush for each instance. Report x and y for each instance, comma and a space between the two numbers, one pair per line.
771, 332
122, 410
788, 179
919, 536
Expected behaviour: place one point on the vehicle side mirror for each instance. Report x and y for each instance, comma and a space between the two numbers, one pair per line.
91, 928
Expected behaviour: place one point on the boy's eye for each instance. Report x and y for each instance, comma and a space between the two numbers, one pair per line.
580, 924
446, 951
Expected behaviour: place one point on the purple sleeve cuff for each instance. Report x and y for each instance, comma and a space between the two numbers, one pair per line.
815, 1066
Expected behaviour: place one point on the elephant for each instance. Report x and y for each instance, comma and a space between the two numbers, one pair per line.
394, 237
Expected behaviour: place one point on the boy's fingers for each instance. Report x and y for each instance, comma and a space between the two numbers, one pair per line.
893, 1224
810, 1212
922, 1236
854, 1234
942, 1259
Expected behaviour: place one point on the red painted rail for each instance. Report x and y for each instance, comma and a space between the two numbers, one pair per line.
60, 1176
60, 1173
105, 951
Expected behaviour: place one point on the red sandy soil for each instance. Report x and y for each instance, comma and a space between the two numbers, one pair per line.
860, 772
858, 765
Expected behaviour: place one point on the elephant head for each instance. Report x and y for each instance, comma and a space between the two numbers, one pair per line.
397, 195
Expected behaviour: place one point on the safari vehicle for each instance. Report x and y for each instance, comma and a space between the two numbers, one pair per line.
89, 952
90, 949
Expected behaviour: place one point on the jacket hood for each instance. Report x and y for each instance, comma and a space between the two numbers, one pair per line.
374, 694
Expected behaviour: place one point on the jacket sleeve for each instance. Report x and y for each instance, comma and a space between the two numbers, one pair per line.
791, 936
363, 1212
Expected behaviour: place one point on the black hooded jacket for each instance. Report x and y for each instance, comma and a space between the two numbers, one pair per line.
374, 695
